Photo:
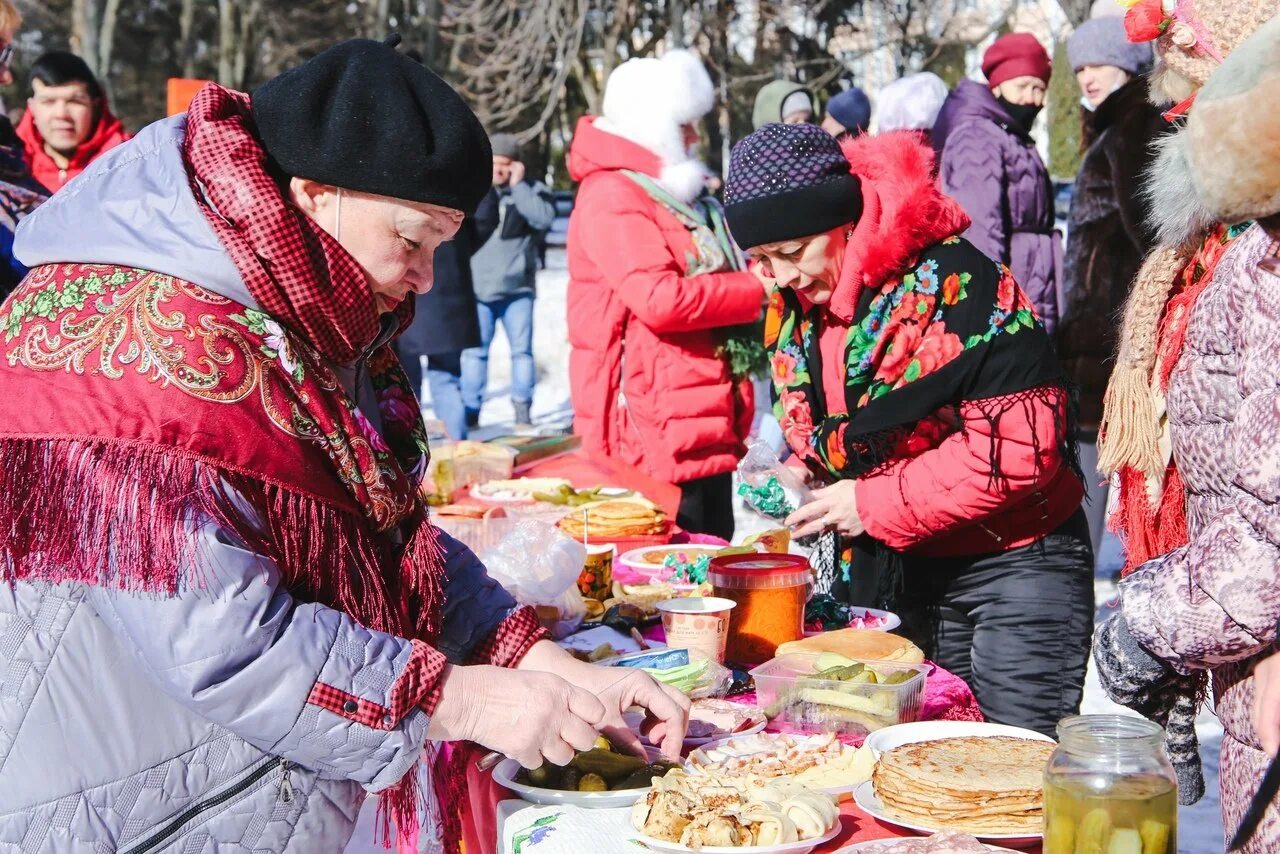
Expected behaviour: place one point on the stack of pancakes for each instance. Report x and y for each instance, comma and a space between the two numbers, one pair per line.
985, 786
609, 519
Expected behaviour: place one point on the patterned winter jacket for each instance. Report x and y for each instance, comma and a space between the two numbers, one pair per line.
991, 167
1213, 604
202, 722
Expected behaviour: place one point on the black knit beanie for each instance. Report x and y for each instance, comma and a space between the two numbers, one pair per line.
363, 116
788, 181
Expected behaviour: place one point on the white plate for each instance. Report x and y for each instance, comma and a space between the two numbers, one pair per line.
870, 846
900, 734
634, 559
865, 797
505, 775
790, 848
743, 744
635, 719
892, 621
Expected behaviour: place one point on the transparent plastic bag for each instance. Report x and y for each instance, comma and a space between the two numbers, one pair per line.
539, 565
769, 486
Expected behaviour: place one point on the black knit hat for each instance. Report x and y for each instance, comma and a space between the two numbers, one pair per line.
363, 116
788, 181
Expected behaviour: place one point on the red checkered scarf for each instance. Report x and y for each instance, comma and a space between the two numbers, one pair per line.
294, 269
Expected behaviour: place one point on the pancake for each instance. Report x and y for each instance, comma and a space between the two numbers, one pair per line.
991, 786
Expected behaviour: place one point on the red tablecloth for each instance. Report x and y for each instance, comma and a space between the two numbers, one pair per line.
481, 831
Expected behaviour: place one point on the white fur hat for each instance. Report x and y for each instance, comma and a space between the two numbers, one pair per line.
647, 100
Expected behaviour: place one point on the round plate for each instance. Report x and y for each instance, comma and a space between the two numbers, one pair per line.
505, 775
758, 744
900, 734
865, 797
634, 559
871, 847
892, 621
790, 848
635, 719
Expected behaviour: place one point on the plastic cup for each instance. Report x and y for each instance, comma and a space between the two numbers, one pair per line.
699, 624
596, 580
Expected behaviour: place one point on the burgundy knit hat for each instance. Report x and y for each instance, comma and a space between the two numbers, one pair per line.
1016, 55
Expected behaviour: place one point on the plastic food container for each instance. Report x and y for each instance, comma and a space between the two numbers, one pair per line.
788, 694
770, 591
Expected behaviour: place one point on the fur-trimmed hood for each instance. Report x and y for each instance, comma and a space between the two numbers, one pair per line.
1178, 212
904, 212
646, 101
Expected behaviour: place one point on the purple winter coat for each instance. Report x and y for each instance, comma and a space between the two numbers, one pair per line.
992, 168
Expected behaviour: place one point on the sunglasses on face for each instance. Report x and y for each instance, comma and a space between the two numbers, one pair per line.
6, 54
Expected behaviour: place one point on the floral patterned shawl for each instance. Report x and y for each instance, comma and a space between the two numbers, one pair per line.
955, 328
134, 404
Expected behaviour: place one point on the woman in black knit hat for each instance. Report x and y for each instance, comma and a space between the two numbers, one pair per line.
216, 552
914, 379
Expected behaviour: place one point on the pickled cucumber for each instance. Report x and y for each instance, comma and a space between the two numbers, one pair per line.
1060, 835
606, 763
569, 779
1155, 837
592, 783
1125, 840
1095, 827
543, 776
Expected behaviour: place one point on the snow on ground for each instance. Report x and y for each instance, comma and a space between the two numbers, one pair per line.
1199, 827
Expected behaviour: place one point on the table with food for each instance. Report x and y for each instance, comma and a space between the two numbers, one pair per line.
813, 727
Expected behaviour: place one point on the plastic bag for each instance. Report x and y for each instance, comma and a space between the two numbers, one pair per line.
539, 565
767, 485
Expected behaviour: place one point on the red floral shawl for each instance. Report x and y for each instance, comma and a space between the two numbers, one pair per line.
131, 400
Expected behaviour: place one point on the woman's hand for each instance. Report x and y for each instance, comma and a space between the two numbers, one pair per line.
1266, 703
834, 507
620, 689
532, 717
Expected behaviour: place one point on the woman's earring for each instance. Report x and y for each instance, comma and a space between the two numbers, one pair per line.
848, 235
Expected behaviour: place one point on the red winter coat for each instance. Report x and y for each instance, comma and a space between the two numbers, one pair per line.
669, 406
943, 502
107, 134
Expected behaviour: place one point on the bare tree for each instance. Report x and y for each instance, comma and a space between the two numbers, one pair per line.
511, 59
93, 28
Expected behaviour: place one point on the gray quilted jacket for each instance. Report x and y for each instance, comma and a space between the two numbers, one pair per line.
140, 723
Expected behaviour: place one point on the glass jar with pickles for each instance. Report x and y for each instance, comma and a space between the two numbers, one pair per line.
1109, 789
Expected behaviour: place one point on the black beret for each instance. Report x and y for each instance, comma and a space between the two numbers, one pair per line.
363, 116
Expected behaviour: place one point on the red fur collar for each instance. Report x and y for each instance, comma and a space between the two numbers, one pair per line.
904, 212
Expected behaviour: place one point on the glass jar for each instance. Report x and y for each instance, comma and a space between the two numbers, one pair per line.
1109, 788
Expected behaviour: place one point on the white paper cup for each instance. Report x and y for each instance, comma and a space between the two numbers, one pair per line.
699, 624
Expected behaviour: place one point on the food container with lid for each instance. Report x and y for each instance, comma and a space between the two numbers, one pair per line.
770, 591
1110, 787
791, 695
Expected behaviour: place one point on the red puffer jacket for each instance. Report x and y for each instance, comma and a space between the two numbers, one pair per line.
648, 386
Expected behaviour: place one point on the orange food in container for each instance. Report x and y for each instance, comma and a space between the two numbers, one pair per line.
770, 591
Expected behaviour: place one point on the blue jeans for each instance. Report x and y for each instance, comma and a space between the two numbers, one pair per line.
444, 379
516, 316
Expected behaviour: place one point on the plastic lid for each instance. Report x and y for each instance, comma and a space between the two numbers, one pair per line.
743, 572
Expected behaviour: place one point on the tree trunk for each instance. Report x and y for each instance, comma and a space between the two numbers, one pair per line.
376, 15
676, 9
246, 43
226, 41
186, 25
84, 31
106, 41
431, 43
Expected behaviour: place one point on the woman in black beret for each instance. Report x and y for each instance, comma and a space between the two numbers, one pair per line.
213, 454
